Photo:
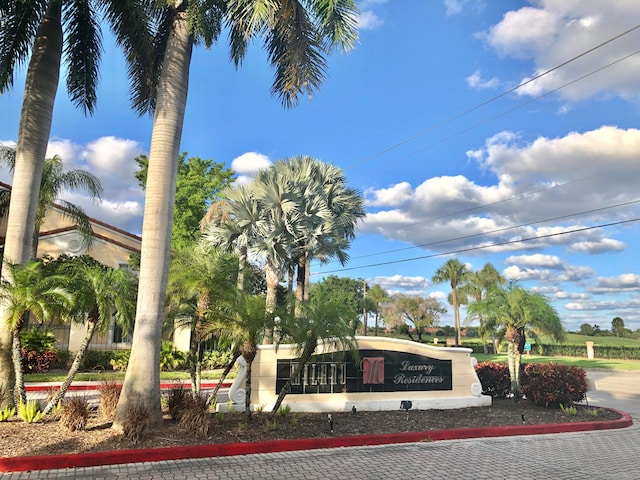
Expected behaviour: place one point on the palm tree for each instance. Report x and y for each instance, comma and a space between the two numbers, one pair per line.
54, 181
378, 295
519, 312
456, 274
35, 29
478, 286
321, 322
297, 35
100, 294
30, 292
201, 291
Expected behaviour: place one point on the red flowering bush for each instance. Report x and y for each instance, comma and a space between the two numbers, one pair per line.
34, 362
552, 385
494, 378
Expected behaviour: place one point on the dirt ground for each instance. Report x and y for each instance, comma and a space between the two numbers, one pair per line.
18, 438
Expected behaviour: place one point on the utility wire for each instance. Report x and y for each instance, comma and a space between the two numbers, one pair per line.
481, 247
490, 100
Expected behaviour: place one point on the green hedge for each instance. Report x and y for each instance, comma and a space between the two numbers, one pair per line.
599, 351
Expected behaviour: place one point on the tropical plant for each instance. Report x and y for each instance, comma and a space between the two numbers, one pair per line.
29, 411
478, 285
31, 292
518, 312
456, 273
378, 296
54, 181
322, 322
201, 290
100, 294
34, 30
297, 35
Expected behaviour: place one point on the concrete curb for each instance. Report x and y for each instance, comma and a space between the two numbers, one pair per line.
54, 462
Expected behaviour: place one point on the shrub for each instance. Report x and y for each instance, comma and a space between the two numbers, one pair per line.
97, 360
176, 399
494, 378
136, 422
109, 395
170, 358
216, 359
194, 415
35, 362
38, 339
30, 411
75, 413
6, 414
552, 385
120, 360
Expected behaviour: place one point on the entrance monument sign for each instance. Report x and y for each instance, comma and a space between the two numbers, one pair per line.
385, 374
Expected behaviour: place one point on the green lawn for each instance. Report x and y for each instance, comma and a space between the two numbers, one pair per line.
610, 364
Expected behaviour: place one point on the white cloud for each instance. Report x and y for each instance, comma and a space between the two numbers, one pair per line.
368, 20
395, 195
476, 81
538, 260
551, 32
403, 283
628, 282
248, 165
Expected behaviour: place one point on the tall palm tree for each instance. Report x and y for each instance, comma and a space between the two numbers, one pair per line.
378, 296
478, 286
297, 35
54, 181
201, 291
454, 272
321, 322
519, 312
34, 30
31, 292
100, 294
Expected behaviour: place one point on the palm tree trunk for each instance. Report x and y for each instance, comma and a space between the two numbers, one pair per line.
142, 380
75, 366
247, 390
302, 361
307, 277
272, 273
33, 135
514, 358
19, 394
213, 395
456, 315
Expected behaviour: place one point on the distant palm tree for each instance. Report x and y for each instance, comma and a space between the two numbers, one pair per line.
478, 286
456, 273
100, 294
54, 181
519, 312
31, 292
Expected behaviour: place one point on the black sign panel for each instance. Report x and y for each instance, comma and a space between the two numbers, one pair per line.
374, 371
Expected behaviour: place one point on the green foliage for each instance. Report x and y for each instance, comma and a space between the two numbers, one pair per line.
6, 414
97, 360
120, 360
284, 410
552, 385
494, 378
198, 184
594, 412
170, 358
38, 339
216, 359
29, 411
570, 411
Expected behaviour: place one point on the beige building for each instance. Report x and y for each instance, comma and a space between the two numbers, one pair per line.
111, 246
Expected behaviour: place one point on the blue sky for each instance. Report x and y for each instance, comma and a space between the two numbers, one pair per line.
418, 117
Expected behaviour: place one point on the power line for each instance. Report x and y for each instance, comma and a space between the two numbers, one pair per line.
490, 100
481, 247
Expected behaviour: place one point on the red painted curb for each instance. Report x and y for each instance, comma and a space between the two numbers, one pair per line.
54, 462
163, 386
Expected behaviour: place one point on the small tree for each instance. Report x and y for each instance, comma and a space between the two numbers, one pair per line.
617, 327
422, 312
31, 292
321, 321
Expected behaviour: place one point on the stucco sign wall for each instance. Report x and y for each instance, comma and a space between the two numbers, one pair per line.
385, 373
